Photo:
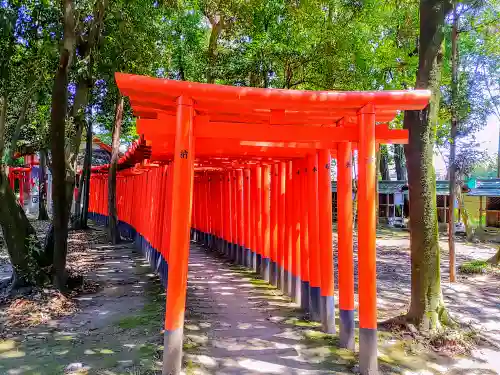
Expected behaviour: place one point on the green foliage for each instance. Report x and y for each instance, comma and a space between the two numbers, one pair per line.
333, 44
28, 56
478, 94
474, 267
487, 168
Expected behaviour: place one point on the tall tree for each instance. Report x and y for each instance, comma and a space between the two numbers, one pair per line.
384, 163
27, 31
453, 139
87, 164
113, 232
60, 195
427, 308
42, 189
399, 162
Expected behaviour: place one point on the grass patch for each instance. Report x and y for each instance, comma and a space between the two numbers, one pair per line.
474, 267
150, 350
150, 314
322, 338
302, 323
190, 367
190, 345
131, 322
147, 318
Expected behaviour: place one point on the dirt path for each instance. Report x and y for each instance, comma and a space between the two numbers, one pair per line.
115, 331
237, 324
473, 299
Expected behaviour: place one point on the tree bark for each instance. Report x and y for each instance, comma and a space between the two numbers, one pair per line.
78, 202
453, 146
495, 259
113, 232
469, 231
87, 164
3, 122
83, 89
498, 155
19, 124
42, 189
399, 163
26, 257
217, 27
427, 309
25, 253
57, 135
384, 163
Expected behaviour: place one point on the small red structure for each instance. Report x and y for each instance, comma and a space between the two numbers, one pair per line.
248, 170
23, 175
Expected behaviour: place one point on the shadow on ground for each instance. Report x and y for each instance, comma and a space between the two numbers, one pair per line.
116, 330
235, 323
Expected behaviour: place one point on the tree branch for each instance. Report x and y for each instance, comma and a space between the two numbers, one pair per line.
496, 109
3, 120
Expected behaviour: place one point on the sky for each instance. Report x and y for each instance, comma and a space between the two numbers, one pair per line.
486, 137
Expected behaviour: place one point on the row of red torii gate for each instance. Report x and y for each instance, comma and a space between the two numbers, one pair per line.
246, 171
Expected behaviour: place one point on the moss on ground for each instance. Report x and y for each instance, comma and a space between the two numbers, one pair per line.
474, 267
305, 323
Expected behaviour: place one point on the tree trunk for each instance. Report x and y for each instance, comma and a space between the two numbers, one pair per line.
85, 83
57, 135
113, 233
25, 253
19, 125
87, 164
217, 27
78, 202
469, 231
427, 309
42, 189
384, 163
28, 260
26, 257
399, 163
3, 122
453, 145
495, 259
498, 155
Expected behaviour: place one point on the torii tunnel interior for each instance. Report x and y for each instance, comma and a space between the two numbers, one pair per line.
246, 172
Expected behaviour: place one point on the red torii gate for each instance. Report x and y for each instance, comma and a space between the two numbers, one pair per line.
245, 146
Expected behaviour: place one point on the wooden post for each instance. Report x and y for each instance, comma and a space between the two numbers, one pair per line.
281, 223
234, 216
367, 277
274, 224
258, 212
179, 240
325, 237
248, 227
296, 215
253, 200
241, 219
314, 259
266, 222
304, 237
288, 229
345, 244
